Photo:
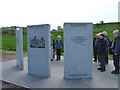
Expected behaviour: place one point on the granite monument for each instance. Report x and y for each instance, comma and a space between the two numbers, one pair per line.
39, 50
78, 50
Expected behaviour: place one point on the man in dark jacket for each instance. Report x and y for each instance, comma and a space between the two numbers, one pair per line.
116, 52
101, 52
108, 45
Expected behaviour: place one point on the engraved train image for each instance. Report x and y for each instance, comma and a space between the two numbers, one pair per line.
37, 43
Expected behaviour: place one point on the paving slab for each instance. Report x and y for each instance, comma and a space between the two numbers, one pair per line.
20, 77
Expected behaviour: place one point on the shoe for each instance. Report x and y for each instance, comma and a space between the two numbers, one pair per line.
95, 60
99, 68
114, 72
102, 70
52, 60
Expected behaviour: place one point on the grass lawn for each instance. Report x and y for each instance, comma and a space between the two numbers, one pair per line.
0, 41
109, 27
9, 42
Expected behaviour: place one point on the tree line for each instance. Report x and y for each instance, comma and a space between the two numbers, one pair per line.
11, 30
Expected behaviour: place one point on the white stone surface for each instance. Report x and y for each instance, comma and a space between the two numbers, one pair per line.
19, 49
78, 50
21, 77
39, 54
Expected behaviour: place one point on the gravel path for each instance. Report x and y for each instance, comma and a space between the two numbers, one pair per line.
6, 85
8, 57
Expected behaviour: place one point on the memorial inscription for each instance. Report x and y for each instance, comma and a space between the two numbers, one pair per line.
78, 39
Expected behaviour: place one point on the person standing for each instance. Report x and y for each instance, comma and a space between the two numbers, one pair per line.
52, 46
116, 52
95, 48
108, 45
101, 52
59, 44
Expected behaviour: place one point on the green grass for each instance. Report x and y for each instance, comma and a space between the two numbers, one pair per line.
109, 27
9, 42
0, 40
6, 53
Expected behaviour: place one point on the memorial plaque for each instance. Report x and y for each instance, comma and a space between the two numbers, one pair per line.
78, 50
38, 50
37, 43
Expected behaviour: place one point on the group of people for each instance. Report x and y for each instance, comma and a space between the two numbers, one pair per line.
102, 47
56, 47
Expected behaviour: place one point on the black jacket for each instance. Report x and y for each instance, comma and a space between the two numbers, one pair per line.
117, 45
94, 39
53, 43
102, 47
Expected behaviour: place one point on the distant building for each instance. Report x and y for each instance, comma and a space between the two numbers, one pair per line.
101, 22
59, 27
53, 30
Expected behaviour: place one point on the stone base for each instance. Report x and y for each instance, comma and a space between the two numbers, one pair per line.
20, 77
77, 77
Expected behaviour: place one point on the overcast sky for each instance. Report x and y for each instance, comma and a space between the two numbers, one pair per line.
56, 12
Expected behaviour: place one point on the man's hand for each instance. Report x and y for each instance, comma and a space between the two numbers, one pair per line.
116, 54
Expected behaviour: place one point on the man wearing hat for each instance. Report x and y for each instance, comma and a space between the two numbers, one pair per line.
116, 51
101, 52
108, 44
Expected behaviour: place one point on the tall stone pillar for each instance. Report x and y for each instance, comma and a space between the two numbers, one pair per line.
19, 48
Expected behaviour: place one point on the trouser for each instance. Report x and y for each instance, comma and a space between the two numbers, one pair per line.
116, 59
106, 57
58, 54
51, 48
95, 50
53, 53
98, 58
102, 62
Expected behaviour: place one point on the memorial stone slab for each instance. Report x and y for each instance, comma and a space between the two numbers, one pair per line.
39, 50
78, 50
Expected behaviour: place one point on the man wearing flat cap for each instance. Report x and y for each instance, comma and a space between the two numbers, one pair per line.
102, 44
116, 51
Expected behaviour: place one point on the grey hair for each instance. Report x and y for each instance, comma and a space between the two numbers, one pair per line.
115, 32
104, 32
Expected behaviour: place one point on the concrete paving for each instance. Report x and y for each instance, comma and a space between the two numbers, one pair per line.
20, 77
